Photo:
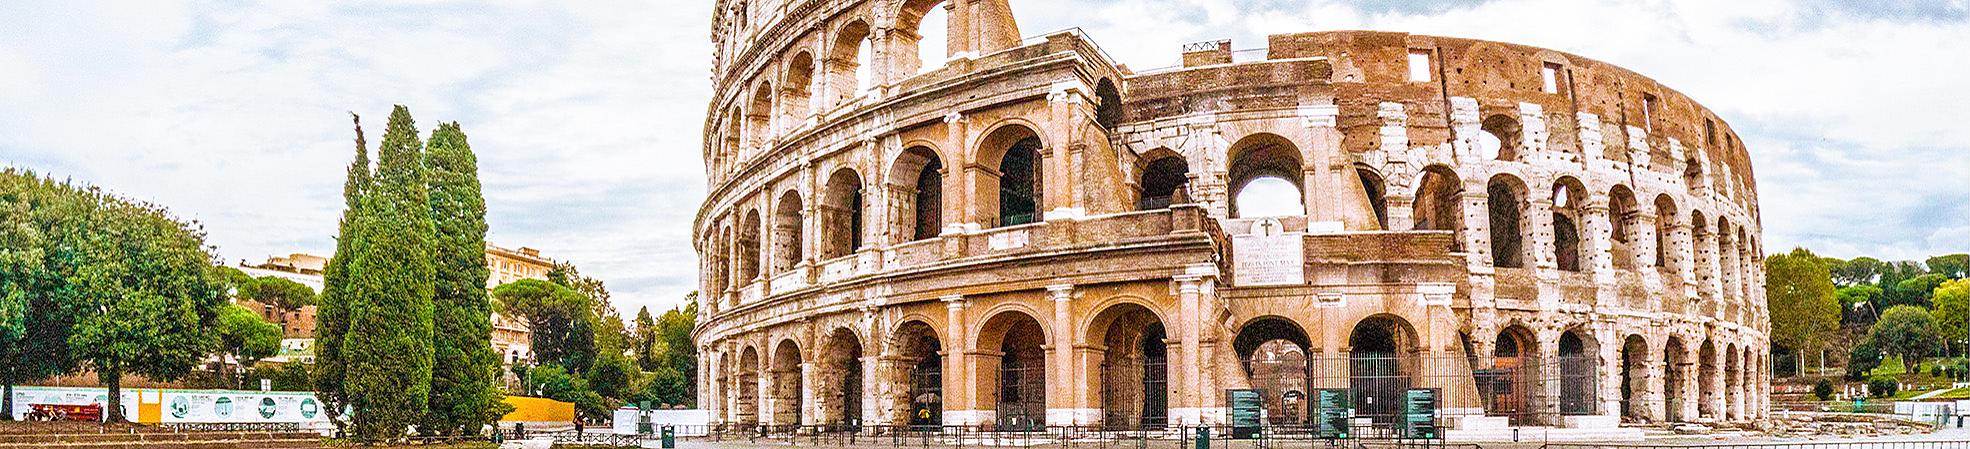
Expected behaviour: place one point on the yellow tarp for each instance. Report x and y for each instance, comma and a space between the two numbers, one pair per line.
526, 409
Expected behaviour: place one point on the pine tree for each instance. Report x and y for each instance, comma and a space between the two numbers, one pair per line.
331, 322
464, 397
386, 349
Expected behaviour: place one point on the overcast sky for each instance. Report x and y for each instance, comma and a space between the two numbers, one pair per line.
586, 116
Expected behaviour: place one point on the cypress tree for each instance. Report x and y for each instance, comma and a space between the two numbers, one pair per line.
464, 397
331, 314
386, 349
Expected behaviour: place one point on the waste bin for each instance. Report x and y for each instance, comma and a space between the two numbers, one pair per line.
669, 437
1203, 437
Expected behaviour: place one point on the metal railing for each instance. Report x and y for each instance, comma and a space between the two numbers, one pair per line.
1366, 436
1861, 444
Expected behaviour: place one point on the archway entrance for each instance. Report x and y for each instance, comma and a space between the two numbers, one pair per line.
1634, 378
746, 407
1377, 352
1514, 373
1019, 393
842, 359
1578, 381
918, 366
1675, 380
1134, 368
786, 384
1274, 352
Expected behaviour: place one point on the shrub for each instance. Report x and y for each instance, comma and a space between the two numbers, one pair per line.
1823, 389
1882, 386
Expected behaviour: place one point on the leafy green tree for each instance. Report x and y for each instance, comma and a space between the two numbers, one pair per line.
665, 386
647, 347
680, 354
613, 376
561, 320
1860, 303
246, 337
1823, 389
332, 315
1909, 332
1859, 271
1955, 266
284, 377
1952, 313
387, 345
1916, 290
1800, 296
553, 382
610, 334
464, 397
283, 294
34, 325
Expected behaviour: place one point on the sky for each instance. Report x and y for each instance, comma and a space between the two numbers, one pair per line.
587, 116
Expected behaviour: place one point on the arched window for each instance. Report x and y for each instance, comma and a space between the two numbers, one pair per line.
916, 181
1692, 174
1568, 203
1273, 351
1439, 204
1665, 217
786, 232
1504, 200
1373, 188
1108, 104
1265, 170
928, 21
749, 251
1161, 180
848, 63
1624, 219
798, 87
1021, 190
841, 219
759, 116
1500, 139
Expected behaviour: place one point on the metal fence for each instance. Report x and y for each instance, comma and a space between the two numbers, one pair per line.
1527, 390
1855, 444
1103, 437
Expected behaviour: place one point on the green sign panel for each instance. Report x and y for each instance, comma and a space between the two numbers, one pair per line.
1246, 407
1333, 410
1419, 413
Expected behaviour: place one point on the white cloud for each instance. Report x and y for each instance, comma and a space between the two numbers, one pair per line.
586, 117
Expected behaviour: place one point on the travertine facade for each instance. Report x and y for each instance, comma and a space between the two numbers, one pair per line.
1035, 234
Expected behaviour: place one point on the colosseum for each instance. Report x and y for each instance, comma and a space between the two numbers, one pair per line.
1029, 233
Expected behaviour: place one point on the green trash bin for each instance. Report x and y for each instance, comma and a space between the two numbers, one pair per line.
1203, 437
669, 437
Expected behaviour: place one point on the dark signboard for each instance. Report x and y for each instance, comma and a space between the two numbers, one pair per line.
1419, 413
1333, 411
1246, 407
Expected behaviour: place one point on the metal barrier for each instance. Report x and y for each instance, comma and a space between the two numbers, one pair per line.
1859, 444
1092, 437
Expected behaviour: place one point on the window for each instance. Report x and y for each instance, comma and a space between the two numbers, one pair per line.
1419, 66
1648, 112
1550, 75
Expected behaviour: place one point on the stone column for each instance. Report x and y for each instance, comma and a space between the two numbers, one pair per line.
1186, 405
960, 408
1062, 409
811, 412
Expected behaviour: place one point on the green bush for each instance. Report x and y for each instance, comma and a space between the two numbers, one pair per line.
1882, 386
1823, 389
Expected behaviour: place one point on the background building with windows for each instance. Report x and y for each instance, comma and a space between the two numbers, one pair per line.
1025, 232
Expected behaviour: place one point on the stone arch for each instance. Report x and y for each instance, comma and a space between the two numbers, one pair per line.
1381, 360
848, 61
1733, 383
1505, 203
1636, 402
785, 378
1439, 203
916, 183
1624, 225
721, 262
1665, 219
840, 378
1675, 380
1016, 385
759, 115
1711, 397
1108, 103
1579, 362
1569, 206
842, 215
1502, 138
788, 217
746, 403
1507, 385
1275, 353
1700, 236
749, 248
916, 374
1013, 190
1375, 189
797, 85
1165, 179
1264, 155
1134, 371
1727, 255
734, 135
909, 39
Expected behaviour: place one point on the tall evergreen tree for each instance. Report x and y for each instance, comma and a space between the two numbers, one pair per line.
463, 395
386, 349
332, 311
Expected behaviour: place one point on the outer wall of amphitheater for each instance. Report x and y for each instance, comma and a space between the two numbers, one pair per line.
1034, 234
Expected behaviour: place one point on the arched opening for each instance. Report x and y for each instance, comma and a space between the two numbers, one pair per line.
759, 116
1665, 219
1507, 385
841, 371
1265, 169
1274, 352
1504, 200
1378, 352
923, 26
916, 182
841, 214
786, 383
1501, 138
734, 132
1624, 221
1568, 203
786, 232
746, 407
1134, 368
1675, 380
1727, 256
721, 263
1734, 382
1692, 174
798, 85
1706, 381
749, 248
1019, 388
1021, 181
1439, 204
1376, 191
848, 62
1161, 180
1700, 239
1578, 382
1634, 378
1108, 104
919, 364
